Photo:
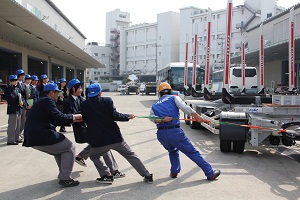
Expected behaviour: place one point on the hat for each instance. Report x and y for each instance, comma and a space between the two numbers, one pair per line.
94, 89
34, 78
20, 72
27, 76
62, 80
72, 83
51, 87
44, 76
13, 77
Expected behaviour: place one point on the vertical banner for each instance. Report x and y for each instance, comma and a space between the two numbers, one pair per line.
195, 62
185, 78
261, 59
243, 64
292, 51
228, 39
207, 64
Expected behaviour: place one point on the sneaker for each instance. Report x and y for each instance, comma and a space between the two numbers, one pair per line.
173, 175
62, 130
105, 179
216, 174
68, 183
149, 179
118, 174
80, 161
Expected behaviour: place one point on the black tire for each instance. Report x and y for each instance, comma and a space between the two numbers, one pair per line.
187, 122
194, 125
238, 146
225, 145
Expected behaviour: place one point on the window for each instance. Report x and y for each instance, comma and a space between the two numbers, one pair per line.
103, 55
159, 37
205, 18
95, 54
214, 17
201, 19
159, 54
135, 47
193, 21
213, 37
218, 16
96, 78
135, 31
98, 72
146, 29
242, 11
95, 73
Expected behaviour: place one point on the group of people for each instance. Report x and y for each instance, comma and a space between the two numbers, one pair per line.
94, 122
21, 93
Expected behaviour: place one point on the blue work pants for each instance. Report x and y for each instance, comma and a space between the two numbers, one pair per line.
174, 140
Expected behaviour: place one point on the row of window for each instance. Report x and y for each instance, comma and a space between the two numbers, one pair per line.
214, 17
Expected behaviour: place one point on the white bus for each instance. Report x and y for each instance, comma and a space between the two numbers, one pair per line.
235, 80
173, 73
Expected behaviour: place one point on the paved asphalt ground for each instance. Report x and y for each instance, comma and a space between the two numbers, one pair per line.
258, 173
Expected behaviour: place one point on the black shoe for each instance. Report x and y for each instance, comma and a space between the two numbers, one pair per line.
62, 130
149, 179
12, 143
19, 141
216, 174
80, 161
118, 174
173, 175
68, 183
105, 179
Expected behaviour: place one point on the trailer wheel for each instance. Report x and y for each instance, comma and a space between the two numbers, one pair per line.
193, 125
238, 146
225, 145
187, 122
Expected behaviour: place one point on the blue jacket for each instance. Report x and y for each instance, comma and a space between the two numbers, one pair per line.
100, 115
79, 128
11, 93
41, 121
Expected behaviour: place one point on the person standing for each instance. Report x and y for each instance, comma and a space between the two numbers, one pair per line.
33, 88
29, 100
44, 81
14, 104
103, 134
72, 106
22, 87
172, 137
61, 98
40, 133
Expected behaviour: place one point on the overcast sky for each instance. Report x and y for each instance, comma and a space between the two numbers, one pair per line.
89, 15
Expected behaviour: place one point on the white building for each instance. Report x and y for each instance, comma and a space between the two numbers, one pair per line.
144, 48
102, 54
194, 21
147, 47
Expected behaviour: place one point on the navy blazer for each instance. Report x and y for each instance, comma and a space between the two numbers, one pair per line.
22, 88
11, 93
41, 121
79, 128
100, 115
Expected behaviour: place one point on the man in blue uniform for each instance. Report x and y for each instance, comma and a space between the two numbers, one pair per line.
171, 136
41, 135
103, 134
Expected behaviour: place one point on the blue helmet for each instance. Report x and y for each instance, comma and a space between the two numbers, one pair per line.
72, 83
13, 77
20, 72
34, 78
51, 87
62, 80
27, 76
44, 76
